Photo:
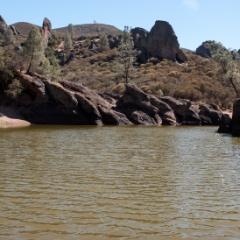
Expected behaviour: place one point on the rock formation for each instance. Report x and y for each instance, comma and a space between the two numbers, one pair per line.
14, 30
161, 42
46, 30
3, 23
203, 50
46, 102
5, 27
236, 118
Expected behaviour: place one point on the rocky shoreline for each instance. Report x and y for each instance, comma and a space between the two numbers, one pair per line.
71, 103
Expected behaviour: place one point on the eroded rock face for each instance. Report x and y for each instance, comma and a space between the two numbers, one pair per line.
46, 30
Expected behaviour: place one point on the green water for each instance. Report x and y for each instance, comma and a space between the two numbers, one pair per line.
59, 182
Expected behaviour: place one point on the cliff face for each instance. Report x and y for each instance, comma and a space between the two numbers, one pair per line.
161, 42
46, 102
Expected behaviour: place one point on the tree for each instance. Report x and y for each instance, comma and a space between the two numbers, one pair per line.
33, 50
228, 64
97, 28
103, 43
126, 54
70, 30
67, 42
5, 73
8, 37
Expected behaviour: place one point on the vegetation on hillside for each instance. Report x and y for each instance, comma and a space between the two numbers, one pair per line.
104, 69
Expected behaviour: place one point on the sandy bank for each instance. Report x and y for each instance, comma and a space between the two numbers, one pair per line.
10, 118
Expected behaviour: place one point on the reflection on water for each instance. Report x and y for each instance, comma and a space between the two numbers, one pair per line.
119, 183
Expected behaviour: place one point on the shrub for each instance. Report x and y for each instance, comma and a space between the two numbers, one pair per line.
14, 89
119, 89
175, 74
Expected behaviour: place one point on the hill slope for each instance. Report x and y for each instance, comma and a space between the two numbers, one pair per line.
89, 29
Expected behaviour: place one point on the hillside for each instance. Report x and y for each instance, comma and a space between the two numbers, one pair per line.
24, 27
89, 30
78, 30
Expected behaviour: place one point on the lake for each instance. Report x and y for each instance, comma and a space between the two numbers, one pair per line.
130, 182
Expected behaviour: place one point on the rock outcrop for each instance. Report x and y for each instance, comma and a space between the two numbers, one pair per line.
46, 30
14, 30
161, 42
4, 27
4, 24
203, 50
46, 102
236, 118
225, 125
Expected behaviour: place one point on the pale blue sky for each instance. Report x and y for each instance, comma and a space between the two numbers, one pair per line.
193, 21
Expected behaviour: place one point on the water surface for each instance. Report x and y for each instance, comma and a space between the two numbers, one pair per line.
59, 182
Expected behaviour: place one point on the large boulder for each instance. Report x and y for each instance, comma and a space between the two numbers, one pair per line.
139, 107
33, 87
46, 30
203, 50
60, 95
178, 106
163, 43
225, 125
209, 115
95, 99
236, 118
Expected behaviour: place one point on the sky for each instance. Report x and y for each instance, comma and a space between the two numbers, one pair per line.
194, 21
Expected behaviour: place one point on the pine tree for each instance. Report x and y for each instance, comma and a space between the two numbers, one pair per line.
67, 42
103, 43
126, 55
70, 30
33, 50
8, 37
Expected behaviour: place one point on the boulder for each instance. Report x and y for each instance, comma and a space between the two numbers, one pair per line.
109, 116
225, 125
209, 115
89, 109
164, 110
163, 43
93, 97
203, 50
178, 106
136, 105
191, 116
60, 95
14, 30
236, 118
46, 30
34, 87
